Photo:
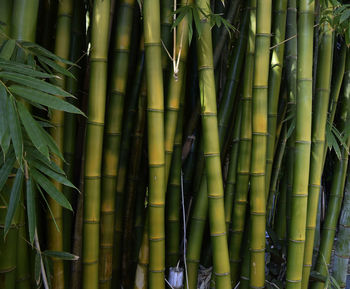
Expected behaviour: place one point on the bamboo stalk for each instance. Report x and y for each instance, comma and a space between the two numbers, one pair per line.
5, 18
141, 278
156, 159
302, 145
323, 84
211, 149
94, 137
259, 142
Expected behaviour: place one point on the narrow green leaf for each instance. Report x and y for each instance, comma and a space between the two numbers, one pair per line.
15, 129
52, 174
197, 22
39, 84
43, 98
37, 268
48, 268
7, 49
33, 130
344, 16
33, 154
51, 189
56, 67
4, 129
51, 143
13, 66
61, 255
31, 209
5, 170
48, 206
14, 200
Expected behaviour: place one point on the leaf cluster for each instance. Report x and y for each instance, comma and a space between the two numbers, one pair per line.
27, 79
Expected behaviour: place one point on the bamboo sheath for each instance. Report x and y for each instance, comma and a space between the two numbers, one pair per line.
5, 17
275, 76
259, 141
211, 150
176, 82
320, 111
302, 145
94, 137
156, 155
337, 189
62, 48
111, 147
291, 75
342, 246
244, 152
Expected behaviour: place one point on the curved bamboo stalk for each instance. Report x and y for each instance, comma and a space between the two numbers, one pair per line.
259, 141
302, 145
323, 85
211, 150
342, 246
94, 138
110, 214
55, 237
244, 152
337, 188
156, 159
275, 76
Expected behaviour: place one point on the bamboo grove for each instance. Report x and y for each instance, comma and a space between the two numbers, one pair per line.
174, 144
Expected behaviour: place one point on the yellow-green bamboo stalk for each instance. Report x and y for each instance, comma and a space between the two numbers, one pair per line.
5, 18
141, 277
176, 80
24, 19
62, 47
94, 137
244, 152
275, 76
259, 142
211, 150
302, 145
319, 119
156, 155
112, 140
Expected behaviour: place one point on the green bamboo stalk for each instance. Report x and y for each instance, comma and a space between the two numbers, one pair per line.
166, 10
173, 200
5, 18
232, 169
259, 142
156, 155
22, 270
323, 85
337, 188
275, 76
8, 245
280, 224
176, 82
94, 137
211, 150
302, 145
141, 277
24, 19
291, 75
110, 214
134, 172
245, 268
244, 152
342, 246
62, 48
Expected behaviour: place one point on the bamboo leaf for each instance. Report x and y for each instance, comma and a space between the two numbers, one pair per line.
43, 98
48, 206
48, 268
33, 130
6, 169
14, 200
37, 268
7, 49
33, 154
52, 174
344, 16
4, 129
51, 189
39, 84
61, 255
13, 66
51, 143
56, 67
15, 129
31, 210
